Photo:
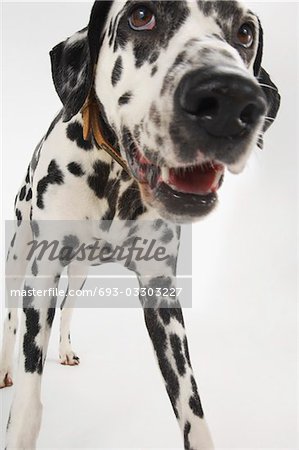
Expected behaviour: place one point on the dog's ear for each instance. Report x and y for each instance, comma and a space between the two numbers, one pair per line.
72, 72
73, 61
269, 88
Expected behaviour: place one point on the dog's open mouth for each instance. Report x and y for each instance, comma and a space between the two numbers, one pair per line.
186, 191
200, 179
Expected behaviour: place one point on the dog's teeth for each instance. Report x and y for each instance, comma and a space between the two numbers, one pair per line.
218, 176
164, 173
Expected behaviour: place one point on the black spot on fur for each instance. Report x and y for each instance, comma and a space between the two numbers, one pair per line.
154, 56
171, 262
34, 268
29, 195
74, 132
158, 224
117, 71
55, 176
34, 228
9, 316
69, 244
130, 204
55, 121
32, 353
132, 266
19, 217
186, 350
22, 193
27, 179
75, 169
187, 429
154, 115
218, 36
178, 232
13, 240
154, 71
98, 180
155, 283
159, 141
160, 282
112, 32
172, 15
229, 10
35, 157
125, 176
57, 278
125, 98
51, 312
167, 236
176, 346
158, 337
106, 221
133, 230
112, 190
194, 401
121, 37
169, 311
180, 59
15, 331
206, 7
168, 79
110, 29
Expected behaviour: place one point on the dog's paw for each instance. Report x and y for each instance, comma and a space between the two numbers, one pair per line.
5, 378
69, 358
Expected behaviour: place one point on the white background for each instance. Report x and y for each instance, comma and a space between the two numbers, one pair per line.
242, 327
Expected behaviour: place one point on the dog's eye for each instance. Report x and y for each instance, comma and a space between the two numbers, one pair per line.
142, 18
245, 35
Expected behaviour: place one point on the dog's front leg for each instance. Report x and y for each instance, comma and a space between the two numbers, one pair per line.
37, 317
165, 324
77, 275
8, 344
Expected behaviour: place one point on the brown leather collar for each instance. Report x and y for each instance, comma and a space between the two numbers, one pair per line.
91, 126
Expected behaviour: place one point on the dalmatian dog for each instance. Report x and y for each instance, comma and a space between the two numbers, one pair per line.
180, 96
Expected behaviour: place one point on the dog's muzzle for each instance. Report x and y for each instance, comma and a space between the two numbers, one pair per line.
216, 116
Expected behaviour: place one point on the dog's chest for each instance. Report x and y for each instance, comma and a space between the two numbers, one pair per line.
74, 180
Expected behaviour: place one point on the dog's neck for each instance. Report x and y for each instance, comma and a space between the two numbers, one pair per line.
97, 129
95, 125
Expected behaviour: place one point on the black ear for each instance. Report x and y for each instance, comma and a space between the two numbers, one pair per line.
272, 96
269, 88
72, 72
259, 54
73, 61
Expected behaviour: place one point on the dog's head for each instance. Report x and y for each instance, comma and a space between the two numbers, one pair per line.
181, 86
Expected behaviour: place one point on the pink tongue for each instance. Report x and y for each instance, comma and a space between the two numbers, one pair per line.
202, 179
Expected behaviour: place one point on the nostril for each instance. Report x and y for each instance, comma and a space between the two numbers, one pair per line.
249, 114
207, 107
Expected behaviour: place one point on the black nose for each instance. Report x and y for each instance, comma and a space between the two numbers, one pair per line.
224, 105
